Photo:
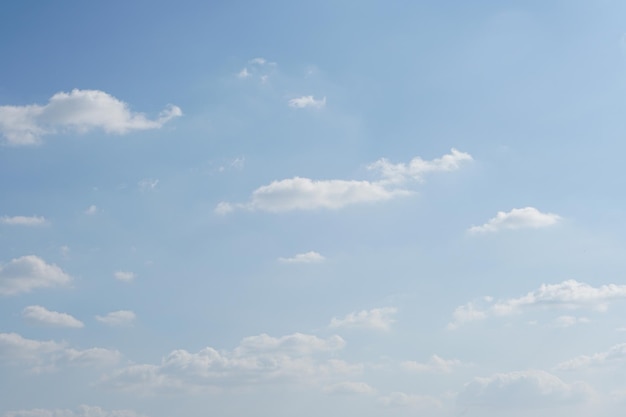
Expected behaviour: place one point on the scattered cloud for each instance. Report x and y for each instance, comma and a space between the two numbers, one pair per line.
258, 68
49, 355
303, 258
306, 194
118, 318
522, 390
77, 111
612, 357
349, 388
81, 411
44, 316
569, 321
124, 276
257, 360
23, 220
377, 318
24, 274
436, 364
307, 101
148, 184
401, 399
91, 210
522, 218
568, 295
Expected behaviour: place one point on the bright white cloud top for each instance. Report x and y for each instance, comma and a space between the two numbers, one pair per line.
303, 258
23, 220
118, 318
376, 318
27, 273
307, 101
522, 218
78, 111
46, 317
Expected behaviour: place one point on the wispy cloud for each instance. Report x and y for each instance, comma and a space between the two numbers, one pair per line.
125, 276
77, 111
82, 411
258, 68
91, 210
303, 258
307, 101
522, 218
615, 355
46, 317
376, 318
23, 220
436, 364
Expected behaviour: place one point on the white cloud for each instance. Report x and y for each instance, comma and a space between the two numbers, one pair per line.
307, 101
78, 111
436, 364
401, 399
257, 360
612, 357
303, 258
567, 295
569, 321
51, 318
306, 194
23, 220
81, 411
117, 318
91, 210
125, 276
30, 272
258, 68
348, 388
522, 390
522, 218
377, 318
48, 355
147, 184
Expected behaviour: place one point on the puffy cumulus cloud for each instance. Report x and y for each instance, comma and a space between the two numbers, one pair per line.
376, 318
615, 355
402, 399
49, 355
125, 276
522, 390
569, 294
76, 111
306, 194
24, 274
46, 317
262, 359
307, 101
81, 411
23, 220
118, 318
436, 364
303, 258
521, 218
349, 388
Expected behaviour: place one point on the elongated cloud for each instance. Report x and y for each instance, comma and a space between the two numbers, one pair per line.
436, 364
522, 218
612, 357
81, 411
566, 295
30, 272
306, 194
77, 111
303, 258
125, 276
117, 318
376, 318
23, 220
307, 101
44, 316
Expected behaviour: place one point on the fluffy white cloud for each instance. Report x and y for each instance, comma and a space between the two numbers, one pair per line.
51, 318
81, 411
27, 273
348, 388
401, 399
307, 101
615, 355
567, 295
303, 258
436, 364
125, 276
376, 318
522, 390
48, 355
117, 318
257, 360
23, 220
78, 111
522, 218
306, 194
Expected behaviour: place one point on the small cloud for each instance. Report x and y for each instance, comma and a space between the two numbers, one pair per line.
612, 357
243, 73
23, 220
522, 218
91, 210
148, 184
436, 364
44, 316
65, 250
24, 274
258, 68
377, 318
569, 321
224, 208
349, 388
124, 276
117, 318
307, 101
303, 258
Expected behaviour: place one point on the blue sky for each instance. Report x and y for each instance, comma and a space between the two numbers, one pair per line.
329, 208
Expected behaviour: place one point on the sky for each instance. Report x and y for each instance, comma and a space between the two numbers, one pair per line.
332, 208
